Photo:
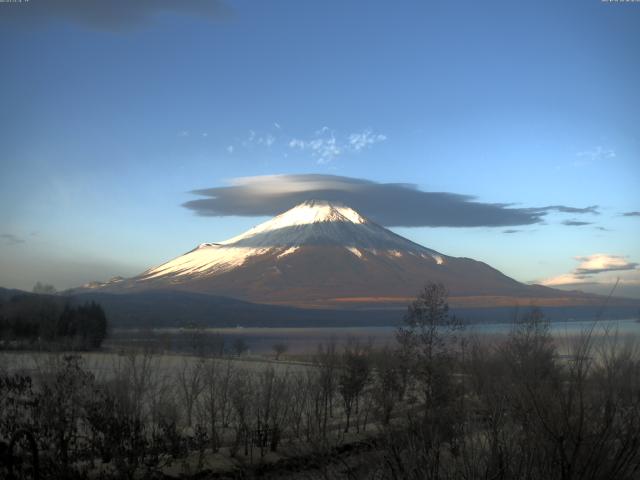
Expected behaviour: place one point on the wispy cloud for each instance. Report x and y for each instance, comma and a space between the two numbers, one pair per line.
267, 140
594, 209
590, 268
631, 214
323, 149
358, 141
254, 139
325, 146
595, 154
11, 239
390, 204
575, 223
111, 15
511, 231
295, 143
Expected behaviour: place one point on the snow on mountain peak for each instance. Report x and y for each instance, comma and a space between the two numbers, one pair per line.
314, 211
311, 223
324, 215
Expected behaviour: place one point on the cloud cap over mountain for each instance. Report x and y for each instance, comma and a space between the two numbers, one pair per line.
389, 204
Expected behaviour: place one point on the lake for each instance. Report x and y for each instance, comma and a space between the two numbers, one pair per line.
305, 340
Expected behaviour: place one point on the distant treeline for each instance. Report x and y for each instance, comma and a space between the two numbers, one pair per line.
29, 318
171, 309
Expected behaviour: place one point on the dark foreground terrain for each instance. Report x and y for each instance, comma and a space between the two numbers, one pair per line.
438, 405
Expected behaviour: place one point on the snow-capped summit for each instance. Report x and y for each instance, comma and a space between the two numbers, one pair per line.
318, 222
319, 253
312, 211
312, 223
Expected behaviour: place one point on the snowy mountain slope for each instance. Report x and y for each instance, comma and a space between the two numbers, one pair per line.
319, 253
313, 223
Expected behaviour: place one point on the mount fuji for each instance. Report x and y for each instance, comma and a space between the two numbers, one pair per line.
325, 254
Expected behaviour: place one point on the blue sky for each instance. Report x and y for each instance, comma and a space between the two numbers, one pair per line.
109, 122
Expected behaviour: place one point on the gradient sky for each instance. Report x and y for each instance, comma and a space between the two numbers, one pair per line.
111, 116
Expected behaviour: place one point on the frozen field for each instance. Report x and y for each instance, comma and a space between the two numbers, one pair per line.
104, 365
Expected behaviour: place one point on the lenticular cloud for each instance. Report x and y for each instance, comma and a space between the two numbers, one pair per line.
389, 204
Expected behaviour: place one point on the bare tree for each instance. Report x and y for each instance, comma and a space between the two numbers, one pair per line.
214, 405
387, 386
280, 349
299, 390
242, 405
240, 346
354, 375
427, 343
190, 381
326, 360
217, 344
271, 395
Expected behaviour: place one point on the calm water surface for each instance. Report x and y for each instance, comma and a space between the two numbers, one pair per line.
305, 340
